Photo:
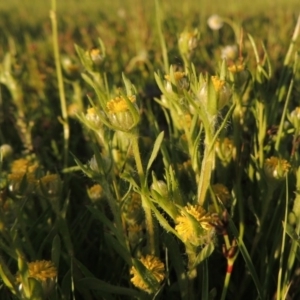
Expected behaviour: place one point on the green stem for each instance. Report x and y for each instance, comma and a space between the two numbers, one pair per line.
206, 168
63, 103
148, 213
161, 38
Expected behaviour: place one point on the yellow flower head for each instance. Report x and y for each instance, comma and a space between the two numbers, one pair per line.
155, 266
276, 168
177, 76
23, 166
119, 104
185, 226
50, 185
217, 82
95, 192
236, 68
40, 270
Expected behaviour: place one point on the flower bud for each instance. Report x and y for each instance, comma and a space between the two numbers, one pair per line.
160, 187
215, 22
187, 42
229, 52
294, 118
276, 168
5, 151
119, 113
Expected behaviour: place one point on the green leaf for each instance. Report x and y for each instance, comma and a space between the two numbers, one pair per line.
99, 285
156, 148
56, 249
178, 264
101, 217
291, 232
146, 275
66, 285
204, 253
247, 259
123, 252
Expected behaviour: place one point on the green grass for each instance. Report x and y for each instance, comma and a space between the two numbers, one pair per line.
135, 163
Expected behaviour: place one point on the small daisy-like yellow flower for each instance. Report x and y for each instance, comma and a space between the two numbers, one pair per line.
177, 76
119, 104
15, 181
185, 226
40, 270
217, 82
155, 266
95, 192
180, 81
43, 271
222, 193
276, 168
96, 55
50, 184
236, 68
23, 165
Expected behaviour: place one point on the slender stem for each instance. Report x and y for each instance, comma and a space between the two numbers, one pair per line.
281, 261
206, 168
161, 38
148, 214
59, 75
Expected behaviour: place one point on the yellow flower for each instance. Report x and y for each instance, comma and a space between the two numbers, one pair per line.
50, 185
217, 82
276, 168
23, 165
16, 180
185, 226
40, 270
177, 76
43, 271
155, 266
95, 192
236, 68
119, 104
96, 55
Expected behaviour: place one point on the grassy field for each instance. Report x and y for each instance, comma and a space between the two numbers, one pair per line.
149, 150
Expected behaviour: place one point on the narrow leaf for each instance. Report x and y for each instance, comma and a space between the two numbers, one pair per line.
156, 148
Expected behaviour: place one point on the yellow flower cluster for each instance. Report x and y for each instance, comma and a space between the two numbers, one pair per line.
155, 266
217, 82
40, 270
185, 226
119, 104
